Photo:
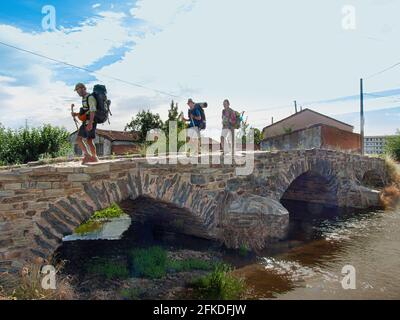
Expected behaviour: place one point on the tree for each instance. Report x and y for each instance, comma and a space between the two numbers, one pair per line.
174, 115
392, 146
144, 122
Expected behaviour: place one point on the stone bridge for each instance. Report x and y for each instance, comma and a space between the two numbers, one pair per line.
40, 205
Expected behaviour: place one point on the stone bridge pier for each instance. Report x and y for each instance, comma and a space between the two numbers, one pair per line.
40, 205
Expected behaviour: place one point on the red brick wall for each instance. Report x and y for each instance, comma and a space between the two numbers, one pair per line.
123, 149
339, 139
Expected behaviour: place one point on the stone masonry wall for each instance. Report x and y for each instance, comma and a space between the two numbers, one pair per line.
40, 205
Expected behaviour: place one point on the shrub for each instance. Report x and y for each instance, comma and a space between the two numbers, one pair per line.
219, 285
31, 144
108, 269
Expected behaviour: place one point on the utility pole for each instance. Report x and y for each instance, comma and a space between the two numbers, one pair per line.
362, 115
295, 106
272, 120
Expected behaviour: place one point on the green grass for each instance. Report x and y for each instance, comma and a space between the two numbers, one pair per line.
149, 263
219, 285
95, 221
108, 269
154, 263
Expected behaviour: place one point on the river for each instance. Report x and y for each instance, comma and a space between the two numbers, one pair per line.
308, 265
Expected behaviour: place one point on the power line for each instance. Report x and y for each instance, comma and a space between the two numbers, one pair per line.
383, 71
88, 70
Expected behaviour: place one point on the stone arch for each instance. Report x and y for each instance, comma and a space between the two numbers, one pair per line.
313, 187
63, 216
373, 179
313, 169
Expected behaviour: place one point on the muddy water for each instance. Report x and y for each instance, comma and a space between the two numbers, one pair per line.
321, 242
307, 265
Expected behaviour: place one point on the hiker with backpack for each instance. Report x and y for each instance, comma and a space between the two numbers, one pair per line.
196, 118
95, 110
230, 121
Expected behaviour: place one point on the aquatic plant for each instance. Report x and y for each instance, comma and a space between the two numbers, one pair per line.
219, 285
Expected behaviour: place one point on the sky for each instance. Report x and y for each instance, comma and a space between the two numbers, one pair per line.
260, 54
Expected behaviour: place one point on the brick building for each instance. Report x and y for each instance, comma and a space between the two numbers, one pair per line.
309, 129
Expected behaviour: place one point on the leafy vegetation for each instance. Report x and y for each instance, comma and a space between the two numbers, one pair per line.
144, 122
108, 269
154, 263
149, 263
219, 285
32, 144
392, 147
95, 221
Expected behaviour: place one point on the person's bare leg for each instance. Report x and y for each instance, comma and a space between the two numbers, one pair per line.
92, 148
81, 145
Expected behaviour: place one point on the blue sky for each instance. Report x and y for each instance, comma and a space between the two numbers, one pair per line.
261, 54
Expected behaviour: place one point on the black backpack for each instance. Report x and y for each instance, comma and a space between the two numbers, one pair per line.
103, 104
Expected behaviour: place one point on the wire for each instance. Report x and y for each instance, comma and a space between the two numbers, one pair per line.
88, 70
383, 71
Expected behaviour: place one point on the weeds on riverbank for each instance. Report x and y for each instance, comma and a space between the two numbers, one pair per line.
28, 286
219, 285
390, 196
153, 263
96, 220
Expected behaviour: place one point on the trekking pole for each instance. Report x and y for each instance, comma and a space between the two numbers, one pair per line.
76, 122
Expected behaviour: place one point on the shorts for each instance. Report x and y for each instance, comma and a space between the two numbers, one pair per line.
87, 134
193, 133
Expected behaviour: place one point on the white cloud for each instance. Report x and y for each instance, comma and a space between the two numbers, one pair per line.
160, 13
96, 5
81, 45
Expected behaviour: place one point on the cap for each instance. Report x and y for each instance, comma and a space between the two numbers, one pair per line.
79, 85
190, 101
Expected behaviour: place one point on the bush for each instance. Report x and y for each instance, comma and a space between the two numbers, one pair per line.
219, 285
392, 147
108, 269
32, 144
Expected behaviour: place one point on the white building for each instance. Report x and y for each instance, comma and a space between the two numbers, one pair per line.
375, 144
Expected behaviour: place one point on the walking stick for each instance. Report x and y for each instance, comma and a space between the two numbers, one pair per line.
76, 122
